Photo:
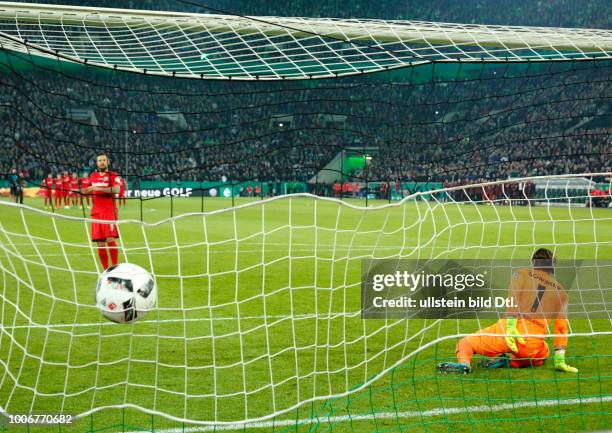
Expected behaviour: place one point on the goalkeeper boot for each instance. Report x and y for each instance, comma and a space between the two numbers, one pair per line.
454, 367
502, 361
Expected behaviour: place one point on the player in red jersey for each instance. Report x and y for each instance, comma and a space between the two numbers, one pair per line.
85, 183
59, 191
337, 189
74, 190
122, 189
66, 181
104, 185
47, 186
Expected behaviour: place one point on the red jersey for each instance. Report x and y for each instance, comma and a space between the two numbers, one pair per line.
46, 186
122, 187
74, 184
47, 183
85, 182
66, 183
104, 204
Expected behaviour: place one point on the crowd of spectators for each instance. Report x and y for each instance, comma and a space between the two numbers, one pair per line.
550, 13
548, 120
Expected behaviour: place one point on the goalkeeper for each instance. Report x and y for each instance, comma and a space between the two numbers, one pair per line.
518, 339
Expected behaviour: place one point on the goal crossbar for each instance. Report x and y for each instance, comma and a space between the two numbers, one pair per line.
237, 47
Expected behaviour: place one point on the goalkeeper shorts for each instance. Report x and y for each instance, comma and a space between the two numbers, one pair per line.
532, 353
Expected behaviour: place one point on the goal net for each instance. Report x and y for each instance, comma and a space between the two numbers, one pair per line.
260, 318
256, 200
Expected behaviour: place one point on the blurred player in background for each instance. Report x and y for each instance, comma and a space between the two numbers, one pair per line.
12, 181
346, 189
85, 183
74, 190
105, 185
66, 181
17, 183
337, 189
519, 339
59, 192
47, 186
122, 190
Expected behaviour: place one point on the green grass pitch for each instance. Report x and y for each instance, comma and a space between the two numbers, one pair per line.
231, 340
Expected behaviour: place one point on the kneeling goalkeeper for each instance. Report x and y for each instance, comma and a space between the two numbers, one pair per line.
518, 340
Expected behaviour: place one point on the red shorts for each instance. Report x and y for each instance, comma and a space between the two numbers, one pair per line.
103, 231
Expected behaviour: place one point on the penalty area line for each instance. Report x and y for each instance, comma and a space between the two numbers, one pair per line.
387, 415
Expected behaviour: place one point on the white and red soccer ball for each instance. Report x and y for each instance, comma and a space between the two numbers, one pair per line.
125, 293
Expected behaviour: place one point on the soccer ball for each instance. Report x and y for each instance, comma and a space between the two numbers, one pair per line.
125, 293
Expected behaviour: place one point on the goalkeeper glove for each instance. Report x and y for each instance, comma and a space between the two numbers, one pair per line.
560, 364
512, 334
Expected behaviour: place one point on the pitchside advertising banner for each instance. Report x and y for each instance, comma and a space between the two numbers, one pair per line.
153, 189
161, 192
223, 191
453, 289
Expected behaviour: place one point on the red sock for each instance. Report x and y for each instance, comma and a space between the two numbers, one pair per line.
103, 256
114, 252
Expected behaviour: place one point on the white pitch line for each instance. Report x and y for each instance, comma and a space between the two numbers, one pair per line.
240, 251
195, 319
388, 415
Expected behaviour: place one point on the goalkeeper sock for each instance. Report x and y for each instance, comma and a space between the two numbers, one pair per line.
103, 256
502, 361
114, 252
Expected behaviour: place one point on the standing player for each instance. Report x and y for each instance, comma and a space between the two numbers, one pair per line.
21, 185
59, 191
13, 181
85, 183
122, 189
337, 189
74, 190
47, 186
540, 297
104, 185
66, 181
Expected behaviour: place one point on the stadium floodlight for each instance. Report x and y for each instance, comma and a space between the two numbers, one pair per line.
227, 46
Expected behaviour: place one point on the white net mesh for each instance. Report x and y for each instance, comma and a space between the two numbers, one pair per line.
259, 305
225, 46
